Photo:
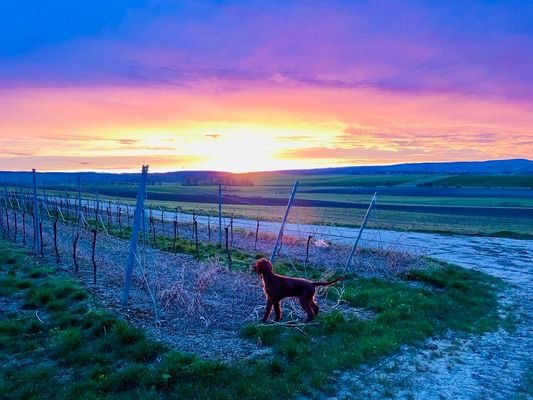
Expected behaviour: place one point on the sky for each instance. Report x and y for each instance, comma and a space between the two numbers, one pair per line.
262, 85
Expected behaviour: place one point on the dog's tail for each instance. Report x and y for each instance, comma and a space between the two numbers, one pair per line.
328, 283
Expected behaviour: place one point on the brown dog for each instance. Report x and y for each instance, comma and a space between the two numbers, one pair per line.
277, 287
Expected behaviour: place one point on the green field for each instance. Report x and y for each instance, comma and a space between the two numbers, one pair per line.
525, 181
341, 199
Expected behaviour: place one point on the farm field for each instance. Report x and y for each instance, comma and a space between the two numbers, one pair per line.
390, 298
402, 203
405, 202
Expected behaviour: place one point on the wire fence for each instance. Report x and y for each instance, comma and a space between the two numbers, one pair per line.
191, 266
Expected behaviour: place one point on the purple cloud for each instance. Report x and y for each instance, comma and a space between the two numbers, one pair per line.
474, 48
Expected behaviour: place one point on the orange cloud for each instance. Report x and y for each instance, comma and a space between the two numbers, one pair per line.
257, 128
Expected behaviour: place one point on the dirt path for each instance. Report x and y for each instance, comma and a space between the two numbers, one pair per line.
492, 366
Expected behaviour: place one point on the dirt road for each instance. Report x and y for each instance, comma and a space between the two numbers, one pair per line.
494, 366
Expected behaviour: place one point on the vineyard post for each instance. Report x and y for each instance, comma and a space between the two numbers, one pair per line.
41, 237
280, 234
196, 237
119, 212
193, 220
231, 229
219, 214
15, 218
175, 235
135, 234
226, 228
77, 268
37, 245
94, 231
23, 228
307, 249
97, 209
109, 217
256, 234
372, 203
7, 221
79, 215
44, 192
55, 241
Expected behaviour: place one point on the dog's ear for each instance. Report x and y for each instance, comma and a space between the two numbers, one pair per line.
261, 265
268, 264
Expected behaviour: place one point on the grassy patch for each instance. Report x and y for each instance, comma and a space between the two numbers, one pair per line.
450, 298
54, 343
471, 180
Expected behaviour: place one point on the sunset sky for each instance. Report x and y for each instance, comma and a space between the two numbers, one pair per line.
262, 85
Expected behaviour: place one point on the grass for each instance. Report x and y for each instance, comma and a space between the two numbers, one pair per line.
240, 260
280, 186
56, 343
504, 181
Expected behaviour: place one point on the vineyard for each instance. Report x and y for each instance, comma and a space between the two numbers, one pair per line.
190, 271
192, 289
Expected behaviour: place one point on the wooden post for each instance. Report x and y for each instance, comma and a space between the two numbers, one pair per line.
361, 229
79, 213
76, 266
23, 228
176, 222
109, 218
227, 247
256, 234
41, 237
16, 229
119, 212
37, 244
193, 221
231, 229
96, 209
175, 236
307, 249
280, 234
93, 255
162, 223
196, 238
219, 214
226, 228
7, 222
135, 234
152, 228
55, 241
44, 192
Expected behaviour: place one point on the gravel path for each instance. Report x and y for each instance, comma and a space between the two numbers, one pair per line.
492, 366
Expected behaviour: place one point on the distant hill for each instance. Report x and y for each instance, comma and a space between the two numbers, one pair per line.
513, 166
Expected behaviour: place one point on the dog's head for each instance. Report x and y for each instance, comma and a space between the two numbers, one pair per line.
262, 265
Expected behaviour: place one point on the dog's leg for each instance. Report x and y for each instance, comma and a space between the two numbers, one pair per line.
304, 302
314, 306
268, 310
277, 310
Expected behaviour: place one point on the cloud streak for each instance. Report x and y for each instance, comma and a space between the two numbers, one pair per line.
477, 48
